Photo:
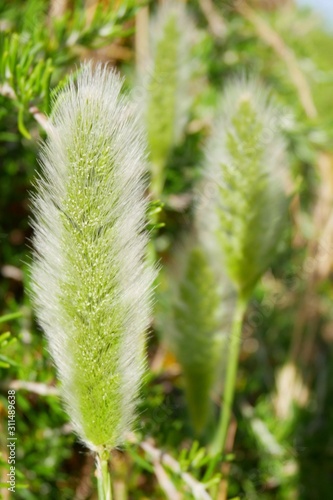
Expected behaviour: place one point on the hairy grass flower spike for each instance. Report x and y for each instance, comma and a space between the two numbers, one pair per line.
167, 96
246, 159
91, 279
196, 339
202, 301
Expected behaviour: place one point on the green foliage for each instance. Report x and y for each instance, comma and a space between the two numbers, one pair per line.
36, 44
195, 460
24, 75
7, 341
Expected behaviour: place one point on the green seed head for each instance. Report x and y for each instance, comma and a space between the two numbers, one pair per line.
90, 275
167, 85
246, 160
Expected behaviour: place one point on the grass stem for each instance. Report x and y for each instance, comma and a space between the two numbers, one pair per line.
219, 441
104, 478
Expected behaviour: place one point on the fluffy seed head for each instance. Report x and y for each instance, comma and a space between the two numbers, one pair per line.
246, 161
167, 84
202, 300
91, 280
199, 333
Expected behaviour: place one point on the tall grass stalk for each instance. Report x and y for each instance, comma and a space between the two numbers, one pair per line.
91, 277
246, 161
104, 478
219, 441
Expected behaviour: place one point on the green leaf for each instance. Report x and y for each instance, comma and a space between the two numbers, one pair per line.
10, 317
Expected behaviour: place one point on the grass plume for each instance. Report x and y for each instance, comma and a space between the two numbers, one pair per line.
246, 159
91, 279
167, 98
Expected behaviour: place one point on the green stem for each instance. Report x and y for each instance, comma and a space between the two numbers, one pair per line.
20, 123
218, 444
157, 179
103, 477
9, 317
